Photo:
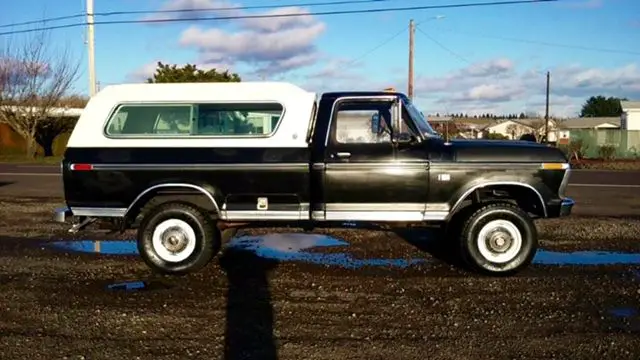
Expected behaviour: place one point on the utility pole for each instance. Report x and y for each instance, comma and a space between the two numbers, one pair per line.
412, 31
546, 112
91, 48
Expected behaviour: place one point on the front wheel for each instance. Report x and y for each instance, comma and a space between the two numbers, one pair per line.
498, 239
177, 239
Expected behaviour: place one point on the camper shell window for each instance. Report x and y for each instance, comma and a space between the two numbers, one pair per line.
198, 119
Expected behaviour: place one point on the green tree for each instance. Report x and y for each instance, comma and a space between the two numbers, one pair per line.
495, 136
189, 73
166, 73
597, 106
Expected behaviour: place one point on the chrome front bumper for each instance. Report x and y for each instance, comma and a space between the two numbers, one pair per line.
566, 206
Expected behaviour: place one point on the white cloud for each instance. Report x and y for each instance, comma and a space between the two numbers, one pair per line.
192, 9
281, 23
487, 92
494, 67
142, 73
250, 47
505, 89
495, 86
341, 74
271, 46
274, 47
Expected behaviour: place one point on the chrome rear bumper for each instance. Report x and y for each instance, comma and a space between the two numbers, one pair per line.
61, 214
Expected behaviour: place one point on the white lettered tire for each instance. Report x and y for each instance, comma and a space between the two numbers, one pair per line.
177, 238
498, 239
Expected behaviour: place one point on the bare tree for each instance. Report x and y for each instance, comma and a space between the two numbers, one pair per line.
515, 130
35, 75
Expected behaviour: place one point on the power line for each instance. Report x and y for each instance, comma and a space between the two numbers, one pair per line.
334, 12
537, 42
286, 15
58, 18
451, 52
383, 43
229, 8
495, 75
66, 26
386, 41
249, 7
445, 48
455, 54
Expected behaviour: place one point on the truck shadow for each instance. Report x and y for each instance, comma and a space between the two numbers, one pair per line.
434, 242
249, 325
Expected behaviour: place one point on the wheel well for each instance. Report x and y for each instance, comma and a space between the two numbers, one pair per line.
524, 197
169, 194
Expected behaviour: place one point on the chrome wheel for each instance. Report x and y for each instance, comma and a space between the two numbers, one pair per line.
499, 241
174, 240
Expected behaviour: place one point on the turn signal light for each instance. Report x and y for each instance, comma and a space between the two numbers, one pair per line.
555, 166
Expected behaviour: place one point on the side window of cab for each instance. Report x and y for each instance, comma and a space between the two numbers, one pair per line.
363, 121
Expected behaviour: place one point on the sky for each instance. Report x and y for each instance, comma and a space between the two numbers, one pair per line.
471, 60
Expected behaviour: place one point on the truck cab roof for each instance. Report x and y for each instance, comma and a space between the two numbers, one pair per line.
338, 94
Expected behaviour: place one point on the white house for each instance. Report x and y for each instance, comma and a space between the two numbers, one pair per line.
630, 119
588, 123
515, 128
510, 128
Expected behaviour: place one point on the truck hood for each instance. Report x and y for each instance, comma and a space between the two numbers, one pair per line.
504, 151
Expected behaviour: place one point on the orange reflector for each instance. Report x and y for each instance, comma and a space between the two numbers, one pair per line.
555, 166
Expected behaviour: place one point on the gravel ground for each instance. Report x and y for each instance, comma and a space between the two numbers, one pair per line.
56, 304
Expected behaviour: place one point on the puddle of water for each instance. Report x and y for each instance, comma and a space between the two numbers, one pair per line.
294, 247
282, 247
624, 312
128, 286
585, 258
133, 286
115, 247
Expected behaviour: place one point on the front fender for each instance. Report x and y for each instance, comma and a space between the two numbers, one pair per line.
531, 184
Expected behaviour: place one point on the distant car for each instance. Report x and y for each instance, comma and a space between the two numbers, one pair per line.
188, 164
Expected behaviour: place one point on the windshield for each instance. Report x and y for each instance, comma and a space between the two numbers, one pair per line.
421, 122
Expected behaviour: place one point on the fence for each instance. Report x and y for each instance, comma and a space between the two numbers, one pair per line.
607, 143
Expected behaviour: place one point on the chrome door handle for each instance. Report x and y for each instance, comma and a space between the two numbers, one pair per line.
343, 154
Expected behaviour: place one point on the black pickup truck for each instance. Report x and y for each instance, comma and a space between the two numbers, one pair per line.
188, 164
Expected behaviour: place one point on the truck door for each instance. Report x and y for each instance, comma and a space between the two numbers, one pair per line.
362, 180
413, 157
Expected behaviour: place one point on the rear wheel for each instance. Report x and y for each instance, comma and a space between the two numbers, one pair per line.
176, 239
498, 239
